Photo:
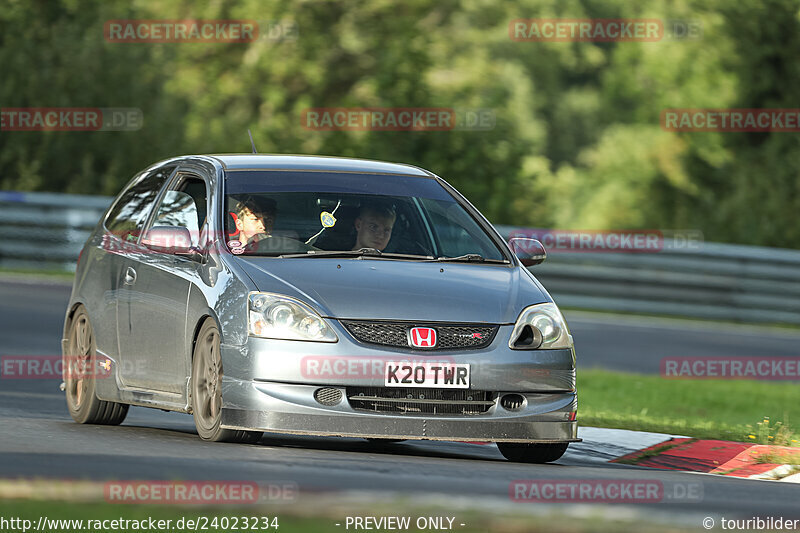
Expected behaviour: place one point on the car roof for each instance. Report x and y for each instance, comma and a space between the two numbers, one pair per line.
239, 162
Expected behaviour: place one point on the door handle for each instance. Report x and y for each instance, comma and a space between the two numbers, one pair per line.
130, 276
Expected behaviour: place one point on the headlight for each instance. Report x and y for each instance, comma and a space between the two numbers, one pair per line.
272, 316
540, 326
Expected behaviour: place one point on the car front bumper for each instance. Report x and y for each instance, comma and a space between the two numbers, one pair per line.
291, 408
269, 385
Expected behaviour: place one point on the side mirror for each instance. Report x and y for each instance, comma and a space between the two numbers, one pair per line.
530, 252
169, 240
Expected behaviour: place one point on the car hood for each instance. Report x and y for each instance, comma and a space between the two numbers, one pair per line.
399, 290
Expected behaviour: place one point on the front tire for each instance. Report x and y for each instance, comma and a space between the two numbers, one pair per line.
532, 453
207, 390
80, 371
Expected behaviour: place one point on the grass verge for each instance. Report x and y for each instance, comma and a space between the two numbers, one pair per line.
56, 275
707, 409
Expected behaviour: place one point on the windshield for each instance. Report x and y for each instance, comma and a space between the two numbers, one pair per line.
297, 213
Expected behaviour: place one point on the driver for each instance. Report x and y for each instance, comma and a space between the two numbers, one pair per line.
254, 219
374, 225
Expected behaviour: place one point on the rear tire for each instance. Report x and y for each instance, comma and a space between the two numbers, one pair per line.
207, 390
532, 453
80, 370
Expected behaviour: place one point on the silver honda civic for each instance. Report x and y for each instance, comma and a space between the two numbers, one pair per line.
317, 296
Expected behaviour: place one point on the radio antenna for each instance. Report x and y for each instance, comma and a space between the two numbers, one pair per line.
251, 141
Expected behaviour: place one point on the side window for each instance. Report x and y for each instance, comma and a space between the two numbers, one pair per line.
127, 217
184, 206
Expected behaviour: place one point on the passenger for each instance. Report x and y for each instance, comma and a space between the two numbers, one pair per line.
374, 227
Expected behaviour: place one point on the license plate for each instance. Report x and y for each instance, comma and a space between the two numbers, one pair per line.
434, 375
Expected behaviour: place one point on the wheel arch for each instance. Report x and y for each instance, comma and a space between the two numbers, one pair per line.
71, 316
198, 326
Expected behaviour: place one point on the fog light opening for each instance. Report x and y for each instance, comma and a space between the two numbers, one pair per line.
512, 402
529, 338
328, 396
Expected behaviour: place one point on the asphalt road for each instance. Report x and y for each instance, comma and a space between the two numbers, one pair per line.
40, 440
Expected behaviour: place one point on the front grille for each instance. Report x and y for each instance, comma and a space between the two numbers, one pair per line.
420, 401
448, 336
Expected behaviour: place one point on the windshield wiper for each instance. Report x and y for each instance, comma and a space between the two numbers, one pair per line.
370, 252
335, 253
469, 258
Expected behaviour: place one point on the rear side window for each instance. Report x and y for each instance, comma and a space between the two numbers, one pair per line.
128, 215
